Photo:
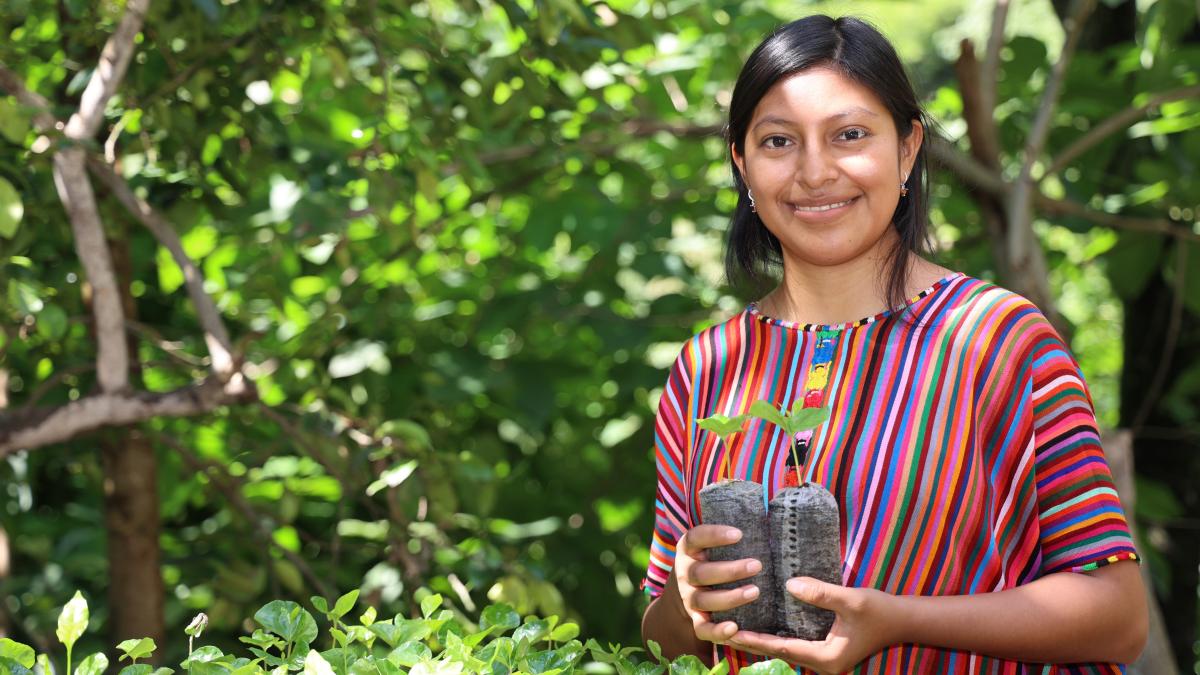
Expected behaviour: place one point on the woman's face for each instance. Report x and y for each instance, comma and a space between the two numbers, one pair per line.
819, 139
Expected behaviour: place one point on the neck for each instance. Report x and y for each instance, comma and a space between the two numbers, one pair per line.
835, 294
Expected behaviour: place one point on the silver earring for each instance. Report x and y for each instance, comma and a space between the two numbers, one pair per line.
903, 190
751, 196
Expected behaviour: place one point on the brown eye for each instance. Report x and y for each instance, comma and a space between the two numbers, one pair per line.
770, 141
858, 134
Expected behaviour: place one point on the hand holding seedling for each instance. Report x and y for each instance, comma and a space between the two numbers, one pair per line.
696, 576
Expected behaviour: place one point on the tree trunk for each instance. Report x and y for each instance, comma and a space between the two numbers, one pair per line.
1156, 658
135, 591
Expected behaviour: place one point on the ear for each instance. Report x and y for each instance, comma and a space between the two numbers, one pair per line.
909, 147
738, 161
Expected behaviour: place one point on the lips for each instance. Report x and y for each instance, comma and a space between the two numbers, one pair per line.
822, 207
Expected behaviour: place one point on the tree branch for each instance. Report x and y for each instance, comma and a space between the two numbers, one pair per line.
978, 176
33, 427
228, 487
216, 337
1116, 123
114, 59
75, 192
990, 68
1020, 235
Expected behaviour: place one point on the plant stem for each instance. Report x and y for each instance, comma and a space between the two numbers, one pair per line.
68, 659
725, 469
796, 461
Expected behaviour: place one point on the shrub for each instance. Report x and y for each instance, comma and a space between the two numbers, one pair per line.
438, 643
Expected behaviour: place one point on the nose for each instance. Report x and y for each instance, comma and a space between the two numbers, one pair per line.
815, 168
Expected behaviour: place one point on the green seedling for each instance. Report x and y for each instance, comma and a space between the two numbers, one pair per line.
136, 648
71, 623
725, 428
799, 419
195, 628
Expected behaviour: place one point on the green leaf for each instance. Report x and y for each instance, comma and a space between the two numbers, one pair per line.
532, 631
345, 603
12, 667
11, 209
688, 664
93, 665
22, 654
430, 604
315, 664
805, 419
139, 669
655, 650
722, 425
410, 654
392, 477
73, 620
136, 648
565, 632
14, 121
772, 667
320, 604
502, 615
766, 411
288, 620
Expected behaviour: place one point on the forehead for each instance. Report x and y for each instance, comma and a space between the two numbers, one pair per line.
817, 95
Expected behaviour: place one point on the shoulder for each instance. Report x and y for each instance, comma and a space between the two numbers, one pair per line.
715, 344
996, 316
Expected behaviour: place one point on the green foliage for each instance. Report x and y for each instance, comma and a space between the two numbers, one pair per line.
461, 242
439, 643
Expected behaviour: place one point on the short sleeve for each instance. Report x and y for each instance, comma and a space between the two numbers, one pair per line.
1080, 520
671, 436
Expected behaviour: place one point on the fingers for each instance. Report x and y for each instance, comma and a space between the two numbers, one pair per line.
718, 633
717, 601
713, 573
696, 540
815, 592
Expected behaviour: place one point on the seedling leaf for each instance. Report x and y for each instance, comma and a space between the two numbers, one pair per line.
136, 648
768, 412
93, 665
73, 620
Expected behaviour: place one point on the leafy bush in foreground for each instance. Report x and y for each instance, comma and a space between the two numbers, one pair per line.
439, 643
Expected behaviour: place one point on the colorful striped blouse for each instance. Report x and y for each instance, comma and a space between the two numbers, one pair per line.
962, 448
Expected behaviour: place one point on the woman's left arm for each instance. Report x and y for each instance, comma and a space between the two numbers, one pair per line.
1065, 617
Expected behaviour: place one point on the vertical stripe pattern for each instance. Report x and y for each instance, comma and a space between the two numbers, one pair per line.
962, 448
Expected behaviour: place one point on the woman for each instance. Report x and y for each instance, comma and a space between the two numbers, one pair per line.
980, 530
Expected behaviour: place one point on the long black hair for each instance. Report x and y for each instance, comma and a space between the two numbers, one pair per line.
858, 51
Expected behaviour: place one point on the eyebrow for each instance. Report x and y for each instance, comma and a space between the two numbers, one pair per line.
775, 119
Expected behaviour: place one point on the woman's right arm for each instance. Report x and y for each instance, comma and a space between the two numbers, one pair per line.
678, 620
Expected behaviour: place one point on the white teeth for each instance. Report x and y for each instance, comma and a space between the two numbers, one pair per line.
821, 208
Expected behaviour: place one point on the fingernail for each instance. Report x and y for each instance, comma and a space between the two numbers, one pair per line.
798, 587
750, 593
753, 567
733, 534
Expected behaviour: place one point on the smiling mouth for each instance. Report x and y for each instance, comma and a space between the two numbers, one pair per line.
823, 207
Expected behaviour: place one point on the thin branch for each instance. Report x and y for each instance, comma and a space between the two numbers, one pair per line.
75, 192
990, 68
978, 176
1020, 237
114, 60
1172, 339
27, 427
1116, 123
215, 335
173, 349
228, 487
